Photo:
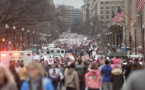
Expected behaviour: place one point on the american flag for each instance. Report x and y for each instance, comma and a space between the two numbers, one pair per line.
140, 4
118, 17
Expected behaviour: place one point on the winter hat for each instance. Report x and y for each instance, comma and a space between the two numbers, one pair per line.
116, 61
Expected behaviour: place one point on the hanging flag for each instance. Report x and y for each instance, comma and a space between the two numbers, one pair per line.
140, 4
119, 17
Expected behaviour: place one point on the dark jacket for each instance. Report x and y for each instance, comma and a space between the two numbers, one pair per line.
117, 79
81, 72
127, 69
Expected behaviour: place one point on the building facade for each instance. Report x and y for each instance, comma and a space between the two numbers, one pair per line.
101, 8
73, 14
135, 29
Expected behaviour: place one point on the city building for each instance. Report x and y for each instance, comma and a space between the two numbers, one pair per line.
73, 15
101, 8
135, 28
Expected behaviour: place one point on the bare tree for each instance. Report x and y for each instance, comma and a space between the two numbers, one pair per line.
25, 12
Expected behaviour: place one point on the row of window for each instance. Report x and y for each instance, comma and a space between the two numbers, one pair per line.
107, 7
113, 2
107, 12
107, 17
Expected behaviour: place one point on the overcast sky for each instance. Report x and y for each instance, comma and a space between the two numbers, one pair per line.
76, 3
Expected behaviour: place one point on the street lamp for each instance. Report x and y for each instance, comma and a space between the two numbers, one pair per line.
22, 29
143, 27
28, 36
33, 37
14, 43
6, 27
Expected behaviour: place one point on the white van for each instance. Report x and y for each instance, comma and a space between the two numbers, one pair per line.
56, 52
7, 56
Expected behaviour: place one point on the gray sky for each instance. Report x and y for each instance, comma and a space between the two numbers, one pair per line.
76, 3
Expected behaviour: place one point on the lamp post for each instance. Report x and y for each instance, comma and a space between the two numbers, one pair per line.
130, 40
14, 32
6, 27
22, 29
143, 27
33, 37
135, 43
28, 37
106, 39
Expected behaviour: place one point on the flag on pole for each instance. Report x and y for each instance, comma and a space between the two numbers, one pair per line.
140, 4
119, 17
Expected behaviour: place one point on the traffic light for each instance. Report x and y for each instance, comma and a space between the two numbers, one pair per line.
3, 40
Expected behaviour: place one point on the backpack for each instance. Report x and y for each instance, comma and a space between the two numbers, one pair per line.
93, 80
81, 73
54, 76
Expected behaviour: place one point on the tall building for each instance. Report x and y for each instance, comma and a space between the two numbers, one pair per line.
101, 8
131, 12
73, 14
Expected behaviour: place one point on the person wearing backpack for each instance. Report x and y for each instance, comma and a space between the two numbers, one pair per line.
55, 75
93, 78
80, 68
106, 73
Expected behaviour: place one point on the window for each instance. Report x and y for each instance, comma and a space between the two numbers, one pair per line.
101, 7
107, 17
101, 2
101, 12
107, 2
107, 7
102, 17
112, 7
107, 12
107, 21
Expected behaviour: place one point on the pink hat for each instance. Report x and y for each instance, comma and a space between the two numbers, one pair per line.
116, 61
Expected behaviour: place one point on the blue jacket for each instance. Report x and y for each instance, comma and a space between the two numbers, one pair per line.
47, 85
106, 74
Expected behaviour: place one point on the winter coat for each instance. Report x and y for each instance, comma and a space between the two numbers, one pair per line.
46, 83
22, 72
127, 69
136, 81
106, 73
81, 72
9, 86
97, 79
71, 78
117, 79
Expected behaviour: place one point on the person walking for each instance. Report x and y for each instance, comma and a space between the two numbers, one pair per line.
80, 68
22, 72
127, 66
71, 78
12, 68
106, 73
117, 78
36, 80
136, 65
7, 81
55, 75
93, 78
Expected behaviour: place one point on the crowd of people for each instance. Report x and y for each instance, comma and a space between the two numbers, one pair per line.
73, 75
95, 73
